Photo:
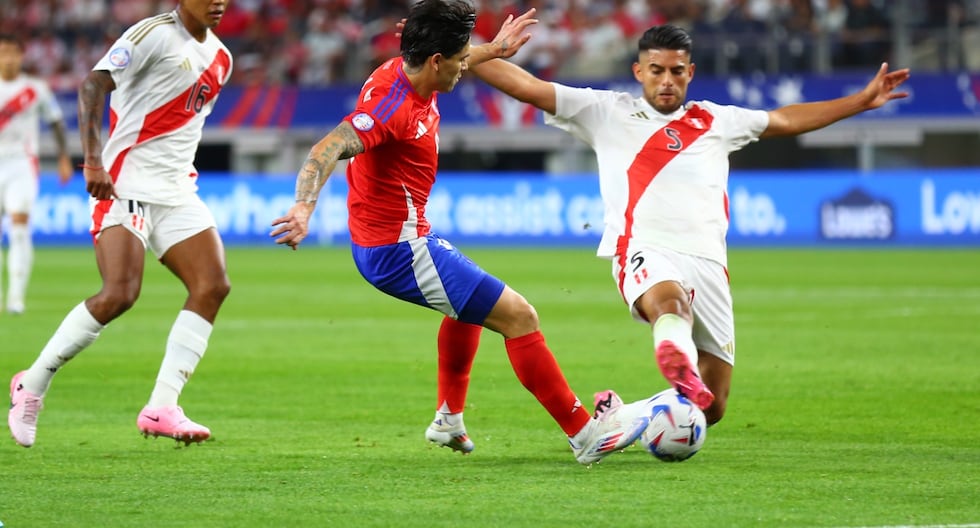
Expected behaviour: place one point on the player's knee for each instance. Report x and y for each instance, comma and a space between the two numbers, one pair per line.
213, 291
219, 290
113, 301
512, 316
525, 319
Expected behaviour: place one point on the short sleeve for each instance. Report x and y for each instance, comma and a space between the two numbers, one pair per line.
376, 117
579, 111
127, 57
739, 126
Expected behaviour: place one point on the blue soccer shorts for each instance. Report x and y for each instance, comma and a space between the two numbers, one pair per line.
431, 272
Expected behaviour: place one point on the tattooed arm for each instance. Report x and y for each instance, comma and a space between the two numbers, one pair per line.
341, 143
91, 106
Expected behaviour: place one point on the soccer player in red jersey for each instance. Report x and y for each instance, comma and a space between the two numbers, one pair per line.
392, 141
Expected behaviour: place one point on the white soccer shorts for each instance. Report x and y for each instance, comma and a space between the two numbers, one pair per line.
18, 184
159, 227
704, 280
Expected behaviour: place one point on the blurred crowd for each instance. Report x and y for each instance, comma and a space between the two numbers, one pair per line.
322, 42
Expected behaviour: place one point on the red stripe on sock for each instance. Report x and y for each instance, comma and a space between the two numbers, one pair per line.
540, 374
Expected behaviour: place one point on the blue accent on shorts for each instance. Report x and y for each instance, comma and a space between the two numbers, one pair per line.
431, 272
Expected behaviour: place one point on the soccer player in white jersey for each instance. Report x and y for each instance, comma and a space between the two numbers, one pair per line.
663, 175
164, 74
25, 101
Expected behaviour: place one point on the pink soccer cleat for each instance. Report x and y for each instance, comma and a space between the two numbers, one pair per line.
171, 422
605, 401
677, 368
24, 407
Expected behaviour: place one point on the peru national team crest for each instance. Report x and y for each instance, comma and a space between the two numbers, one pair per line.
363, 122
119, 57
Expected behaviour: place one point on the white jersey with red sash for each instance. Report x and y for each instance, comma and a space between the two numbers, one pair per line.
24, 102
166, 85
663, 178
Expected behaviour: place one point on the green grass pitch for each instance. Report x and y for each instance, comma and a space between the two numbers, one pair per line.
856, 402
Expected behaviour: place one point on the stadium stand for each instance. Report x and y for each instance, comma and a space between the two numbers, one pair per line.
322, 42
305, 54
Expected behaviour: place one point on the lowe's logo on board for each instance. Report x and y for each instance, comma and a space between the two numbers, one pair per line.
857, 216
756, 214
955, 213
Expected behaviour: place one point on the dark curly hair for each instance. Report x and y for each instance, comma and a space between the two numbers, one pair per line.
436, 26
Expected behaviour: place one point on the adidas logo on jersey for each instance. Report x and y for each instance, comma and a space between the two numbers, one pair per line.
640, 115
421, 131
186, 65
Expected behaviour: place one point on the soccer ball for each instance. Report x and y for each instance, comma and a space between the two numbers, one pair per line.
677, 427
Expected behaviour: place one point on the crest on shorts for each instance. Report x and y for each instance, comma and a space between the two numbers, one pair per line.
119, 57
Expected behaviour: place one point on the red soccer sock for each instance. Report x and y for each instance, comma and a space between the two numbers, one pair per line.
539, 372
457, 344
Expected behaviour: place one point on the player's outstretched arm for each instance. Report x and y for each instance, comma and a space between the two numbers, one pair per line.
91, 105
804, 117
518, 83
341, 143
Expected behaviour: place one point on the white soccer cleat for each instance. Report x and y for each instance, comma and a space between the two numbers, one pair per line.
450, 435
610, 430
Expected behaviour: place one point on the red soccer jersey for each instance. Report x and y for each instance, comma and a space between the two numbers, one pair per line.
391, 180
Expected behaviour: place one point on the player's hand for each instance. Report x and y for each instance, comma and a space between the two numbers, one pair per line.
98, 183
512, 34
881, 89
399, 27
65, 170
294, 226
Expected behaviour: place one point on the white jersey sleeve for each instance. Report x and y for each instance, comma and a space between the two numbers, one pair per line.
167, 83
663, 178
579, 110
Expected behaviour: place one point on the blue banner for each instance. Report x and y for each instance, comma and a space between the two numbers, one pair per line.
474, 103
803, 208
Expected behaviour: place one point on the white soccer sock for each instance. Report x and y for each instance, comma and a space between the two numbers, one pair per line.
19, 263
185, 346
77, 331
448, 417
579, 438
672, 327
